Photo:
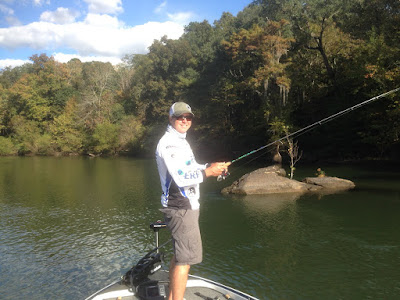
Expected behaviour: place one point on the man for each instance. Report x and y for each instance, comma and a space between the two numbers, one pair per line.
180, 176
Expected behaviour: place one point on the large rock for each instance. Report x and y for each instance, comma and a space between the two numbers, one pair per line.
330, 183
266, 181
272, 180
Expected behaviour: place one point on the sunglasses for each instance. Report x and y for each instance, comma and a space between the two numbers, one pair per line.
187, 118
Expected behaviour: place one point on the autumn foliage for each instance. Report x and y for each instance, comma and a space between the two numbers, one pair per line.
276, 62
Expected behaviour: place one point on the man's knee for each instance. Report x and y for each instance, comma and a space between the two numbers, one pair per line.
181, 268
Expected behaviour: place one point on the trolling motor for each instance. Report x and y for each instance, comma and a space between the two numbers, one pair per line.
137, 278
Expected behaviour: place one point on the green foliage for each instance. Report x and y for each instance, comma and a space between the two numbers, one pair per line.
257, 85
8, 76
105, 138
159, 78
3, 109
278, 128
96, 101
27, 136
7, 146
278, 64
131, 135
67, 137
44, 145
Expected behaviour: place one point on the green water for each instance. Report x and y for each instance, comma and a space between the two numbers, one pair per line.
69, 226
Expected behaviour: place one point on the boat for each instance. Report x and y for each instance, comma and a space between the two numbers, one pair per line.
148, 279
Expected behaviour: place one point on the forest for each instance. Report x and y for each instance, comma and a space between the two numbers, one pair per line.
277, 66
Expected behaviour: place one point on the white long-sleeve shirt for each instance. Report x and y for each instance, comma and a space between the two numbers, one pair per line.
180, 174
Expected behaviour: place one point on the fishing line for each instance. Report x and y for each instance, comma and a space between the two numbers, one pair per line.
318, 123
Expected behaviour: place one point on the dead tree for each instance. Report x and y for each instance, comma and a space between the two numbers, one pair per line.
293, 151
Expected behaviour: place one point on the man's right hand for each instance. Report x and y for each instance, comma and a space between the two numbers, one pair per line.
217, 168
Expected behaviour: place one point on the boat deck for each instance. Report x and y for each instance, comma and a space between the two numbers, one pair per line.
197, 289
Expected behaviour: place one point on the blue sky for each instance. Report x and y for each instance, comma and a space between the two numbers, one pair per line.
103, 30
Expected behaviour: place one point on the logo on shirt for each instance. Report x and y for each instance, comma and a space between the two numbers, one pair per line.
191, 191
191, 175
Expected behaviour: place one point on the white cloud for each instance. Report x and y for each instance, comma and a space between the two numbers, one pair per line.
64, 58
12, 63
105, 6
9, 15
102, 21
40, 2
60, 16
97, 35
161, 7
181, 18
6, 10
37, 35
13, 21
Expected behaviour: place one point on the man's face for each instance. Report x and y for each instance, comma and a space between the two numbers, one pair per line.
182, 123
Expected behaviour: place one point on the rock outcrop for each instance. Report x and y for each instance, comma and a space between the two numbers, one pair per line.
272, 180
330, 183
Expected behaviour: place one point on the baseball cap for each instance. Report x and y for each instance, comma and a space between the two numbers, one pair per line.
179, 108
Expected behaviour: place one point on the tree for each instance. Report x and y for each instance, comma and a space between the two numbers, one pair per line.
3, 110
380, 16
9, 75
41, 94
280, 132
314, 26
200, 37
257, 72
161, 77
294, 155
28, 138
66, 134
7, 147
74, 68
288, 61
28, 99
97, 93
105, 138
130, 135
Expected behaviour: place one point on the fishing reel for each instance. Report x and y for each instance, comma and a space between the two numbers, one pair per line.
223, 176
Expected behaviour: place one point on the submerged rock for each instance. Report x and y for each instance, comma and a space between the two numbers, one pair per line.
272, 180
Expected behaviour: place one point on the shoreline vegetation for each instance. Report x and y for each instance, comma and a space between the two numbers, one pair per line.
250, 78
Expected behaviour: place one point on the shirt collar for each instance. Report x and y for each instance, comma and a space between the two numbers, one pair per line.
172, 130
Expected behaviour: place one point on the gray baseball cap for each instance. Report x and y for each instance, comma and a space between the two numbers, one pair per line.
179, 108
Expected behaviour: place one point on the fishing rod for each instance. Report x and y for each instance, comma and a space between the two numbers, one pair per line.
312, 126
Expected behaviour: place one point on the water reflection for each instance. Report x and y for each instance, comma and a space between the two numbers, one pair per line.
272, 203
68, 226
66, 220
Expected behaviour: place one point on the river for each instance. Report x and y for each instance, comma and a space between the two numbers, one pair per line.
69, 226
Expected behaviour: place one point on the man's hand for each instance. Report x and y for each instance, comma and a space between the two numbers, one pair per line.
217, 168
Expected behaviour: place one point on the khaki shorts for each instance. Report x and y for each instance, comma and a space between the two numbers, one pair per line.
186, 238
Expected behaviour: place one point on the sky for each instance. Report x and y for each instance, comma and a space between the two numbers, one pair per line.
101, 30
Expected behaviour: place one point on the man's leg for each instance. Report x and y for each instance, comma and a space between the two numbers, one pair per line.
178, 275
